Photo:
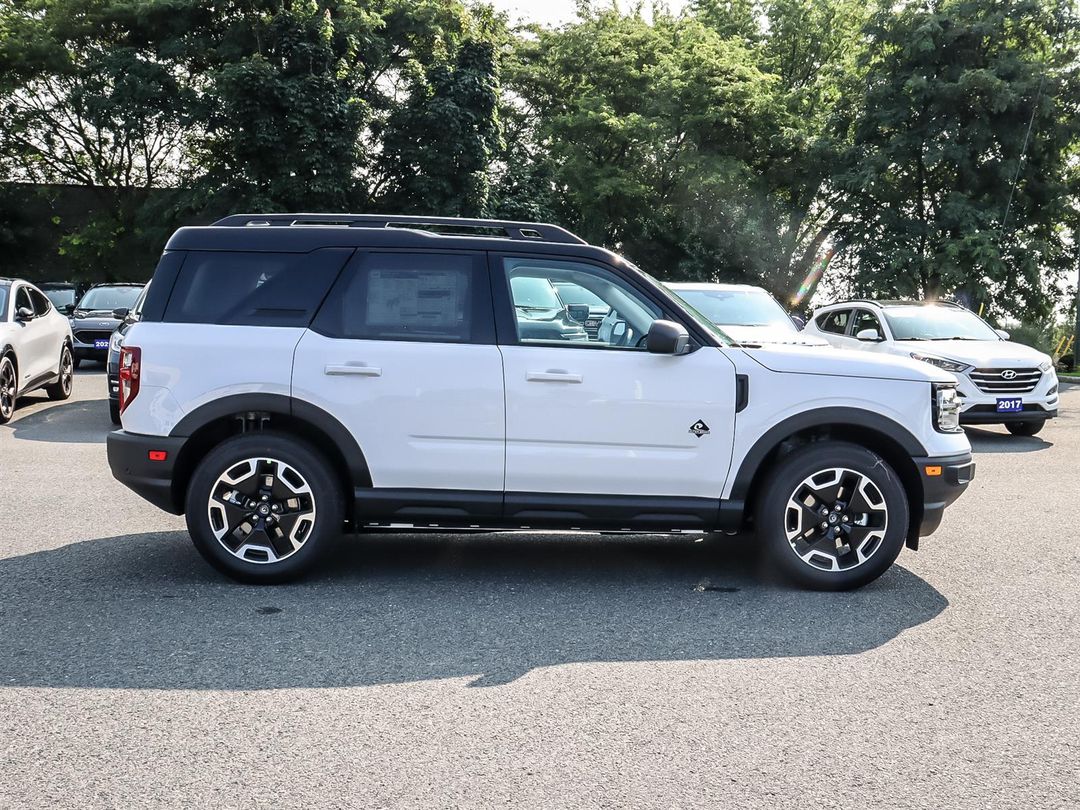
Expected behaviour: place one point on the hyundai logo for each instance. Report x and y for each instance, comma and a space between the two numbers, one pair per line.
1008, 374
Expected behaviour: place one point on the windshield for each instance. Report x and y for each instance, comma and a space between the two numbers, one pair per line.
535, 293
110, 298
739, 308
937, 323
62, 297
572, 293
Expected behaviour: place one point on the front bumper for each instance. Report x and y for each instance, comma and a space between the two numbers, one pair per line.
987, 414
129, 460
943, 479
979, 407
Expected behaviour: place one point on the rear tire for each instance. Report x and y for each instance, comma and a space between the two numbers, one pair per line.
1025, 428
832, 516
264, 507
61, 389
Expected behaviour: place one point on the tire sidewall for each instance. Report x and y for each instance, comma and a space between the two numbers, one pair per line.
319, 475
794, 468
6, 361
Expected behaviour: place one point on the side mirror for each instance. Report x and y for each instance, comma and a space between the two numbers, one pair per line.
799, 321
120, 313
667, 337
578, 312
870, 335
1001, 333
24, 314
67, 309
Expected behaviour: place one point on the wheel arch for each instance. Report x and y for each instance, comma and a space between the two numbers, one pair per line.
886, 437
207, 426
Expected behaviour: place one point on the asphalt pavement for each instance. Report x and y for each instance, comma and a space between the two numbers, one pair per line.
538, 670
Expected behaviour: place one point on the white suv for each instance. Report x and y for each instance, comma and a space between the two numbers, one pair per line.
999, 382
35, 346
292, 375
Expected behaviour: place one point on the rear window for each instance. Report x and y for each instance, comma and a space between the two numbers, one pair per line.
834, 322
253, 289
435, 297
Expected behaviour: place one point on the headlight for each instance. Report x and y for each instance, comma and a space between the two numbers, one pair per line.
946, 408
941, 362
115, 341
1046, 365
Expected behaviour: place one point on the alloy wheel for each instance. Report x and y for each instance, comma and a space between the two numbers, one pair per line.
836, 519
7, 389
261, 510
67, 370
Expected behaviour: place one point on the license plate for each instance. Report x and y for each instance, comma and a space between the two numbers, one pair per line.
101, 344
1010, 405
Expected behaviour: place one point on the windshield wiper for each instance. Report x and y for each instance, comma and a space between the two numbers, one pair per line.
954, 337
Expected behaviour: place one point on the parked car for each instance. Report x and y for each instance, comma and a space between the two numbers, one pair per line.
749, 315
35, 346
285, 381
62, 294
998, 381
112, 366
95, 319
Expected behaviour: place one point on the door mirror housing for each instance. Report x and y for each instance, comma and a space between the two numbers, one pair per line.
24, 314
869, 335
578, 312
667, 337
1001, 333
120, 313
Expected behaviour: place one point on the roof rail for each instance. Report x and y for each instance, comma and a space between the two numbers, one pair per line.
444, 226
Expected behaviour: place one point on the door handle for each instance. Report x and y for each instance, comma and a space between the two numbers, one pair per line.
552, 375
340, 370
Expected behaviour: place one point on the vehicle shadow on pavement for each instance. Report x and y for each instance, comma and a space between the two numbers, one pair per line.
84, 421
988, 441
144, 612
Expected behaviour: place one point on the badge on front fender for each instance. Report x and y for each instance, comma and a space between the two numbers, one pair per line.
699, 428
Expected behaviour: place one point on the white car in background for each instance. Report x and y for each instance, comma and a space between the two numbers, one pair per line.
747, 314
35, 346
1000, 382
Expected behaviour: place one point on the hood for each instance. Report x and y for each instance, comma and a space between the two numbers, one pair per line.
979, 353
846, 363
759, 335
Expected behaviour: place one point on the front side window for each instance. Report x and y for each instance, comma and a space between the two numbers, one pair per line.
542, 316
865, 319
834, 322
432, 297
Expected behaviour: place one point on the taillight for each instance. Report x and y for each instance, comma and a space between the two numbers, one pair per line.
130, 371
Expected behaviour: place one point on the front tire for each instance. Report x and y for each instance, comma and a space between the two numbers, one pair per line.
832, 516
9, 389
61, 389
1025, 428
263, 508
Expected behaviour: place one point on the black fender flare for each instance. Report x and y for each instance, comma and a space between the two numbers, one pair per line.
286, 406
834, 417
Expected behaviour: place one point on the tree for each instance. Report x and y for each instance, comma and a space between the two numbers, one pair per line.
957, 179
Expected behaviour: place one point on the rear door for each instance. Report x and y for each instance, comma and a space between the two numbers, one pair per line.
403, 354
834, 326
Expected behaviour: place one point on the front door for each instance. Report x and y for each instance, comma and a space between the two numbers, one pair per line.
595, 413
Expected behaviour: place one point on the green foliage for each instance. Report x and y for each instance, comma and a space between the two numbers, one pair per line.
953, 88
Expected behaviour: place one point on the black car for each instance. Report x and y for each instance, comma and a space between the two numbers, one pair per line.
113, 364
95, 318
63, 294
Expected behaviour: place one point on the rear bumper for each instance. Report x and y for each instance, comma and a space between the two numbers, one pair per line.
129, 460
944, 479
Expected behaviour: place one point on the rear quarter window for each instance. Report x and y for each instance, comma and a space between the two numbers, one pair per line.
253, 289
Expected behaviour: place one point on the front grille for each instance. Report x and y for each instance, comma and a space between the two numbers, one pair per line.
1020, 381
90, 335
